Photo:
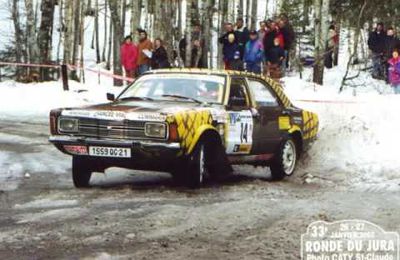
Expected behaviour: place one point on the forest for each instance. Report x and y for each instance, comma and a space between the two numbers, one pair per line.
57, 31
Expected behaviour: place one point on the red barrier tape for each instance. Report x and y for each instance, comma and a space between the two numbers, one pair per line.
29, 65
69, 66
106, 74
110, 75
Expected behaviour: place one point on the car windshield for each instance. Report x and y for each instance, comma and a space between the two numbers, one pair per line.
182, 87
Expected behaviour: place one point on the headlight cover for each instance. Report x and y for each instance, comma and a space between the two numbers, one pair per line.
158, 130
69, 125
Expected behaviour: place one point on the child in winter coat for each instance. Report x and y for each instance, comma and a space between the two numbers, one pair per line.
274, 59
237, 63
253, 53
394, 71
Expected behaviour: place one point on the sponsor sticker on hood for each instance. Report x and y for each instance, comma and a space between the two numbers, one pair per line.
116, 115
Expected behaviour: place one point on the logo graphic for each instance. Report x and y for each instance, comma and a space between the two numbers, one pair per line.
348, 240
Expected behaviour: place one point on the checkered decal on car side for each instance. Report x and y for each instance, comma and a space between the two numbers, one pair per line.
310, 125
187, 124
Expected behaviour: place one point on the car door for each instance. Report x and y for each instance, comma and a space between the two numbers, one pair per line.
239, 130
267, 134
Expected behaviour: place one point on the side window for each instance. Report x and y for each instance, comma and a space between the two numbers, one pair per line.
238, 96
262, 94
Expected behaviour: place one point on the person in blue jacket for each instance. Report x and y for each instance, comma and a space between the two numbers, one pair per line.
253, 53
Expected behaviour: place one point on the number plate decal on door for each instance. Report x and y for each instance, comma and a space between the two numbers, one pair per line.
239, 135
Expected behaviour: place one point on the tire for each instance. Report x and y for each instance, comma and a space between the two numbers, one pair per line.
193, 170
285, 160
81, 172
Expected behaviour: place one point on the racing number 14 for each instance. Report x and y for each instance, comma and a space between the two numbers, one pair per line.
244, 129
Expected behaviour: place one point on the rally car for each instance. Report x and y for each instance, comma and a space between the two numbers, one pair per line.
193, 124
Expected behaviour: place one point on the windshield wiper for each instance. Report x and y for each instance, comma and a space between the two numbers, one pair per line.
136, 98
183, 97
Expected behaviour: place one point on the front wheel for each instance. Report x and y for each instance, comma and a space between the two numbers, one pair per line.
285, 160
81, 172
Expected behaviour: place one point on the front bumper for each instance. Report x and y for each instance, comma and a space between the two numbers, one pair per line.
69, 140
146, 155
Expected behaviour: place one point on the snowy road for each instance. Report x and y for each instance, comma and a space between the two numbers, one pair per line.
145, 216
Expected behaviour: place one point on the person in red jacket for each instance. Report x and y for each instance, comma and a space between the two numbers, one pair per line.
129, 57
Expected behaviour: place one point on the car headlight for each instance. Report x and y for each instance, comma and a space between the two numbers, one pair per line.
70, 125
158, 130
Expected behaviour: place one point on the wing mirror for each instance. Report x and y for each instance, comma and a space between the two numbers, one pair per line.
110, 97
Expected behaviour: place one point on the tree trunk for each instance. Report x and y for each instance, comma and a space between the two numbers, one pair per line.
82, 42
188, 57
321, 33
248, 12
115, 7
123, 16
136, 11
76, 35
32, 43
96, 29
254, 15
45, 35
208, 18
68, 35
103, 55
18, 38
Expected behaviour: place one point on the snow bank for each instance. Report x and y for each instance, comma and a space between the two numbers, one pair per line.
356, 140
33, 102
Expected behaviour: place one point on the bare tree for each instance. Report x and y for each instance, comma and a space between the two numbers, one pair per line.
96, 29
115, 7
18, 37
254, 15
189, 10
103, 55
32, 41
68, 34
321, 34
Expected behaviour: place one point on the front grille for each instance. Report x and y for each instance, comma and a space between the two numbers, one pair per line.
111, 129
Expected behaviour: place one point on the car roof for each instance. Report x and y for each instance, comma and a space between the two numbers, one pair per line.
275, 85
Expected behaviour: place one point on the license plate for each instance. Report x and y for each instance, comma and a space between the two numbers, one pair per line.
117, 152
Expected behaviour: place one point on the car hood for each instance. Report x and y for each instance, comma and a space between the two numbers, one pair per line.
136, 110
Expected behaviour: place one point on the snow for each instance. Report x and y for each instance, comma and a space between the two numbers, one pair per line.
33, 102
357, 138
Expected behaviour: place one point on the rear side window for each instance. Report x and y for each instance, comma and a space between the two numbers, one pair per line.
262, 94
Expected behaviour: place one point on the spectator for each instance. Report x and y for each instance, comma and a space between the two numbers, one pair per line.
288, 37
253, 54
197, 54
129, 57
274, 59
145, 48
229, 50
394, 71
331, 45
376, 43
262, 31
242, 35
159, 59
198, 43
270, 37
391, 43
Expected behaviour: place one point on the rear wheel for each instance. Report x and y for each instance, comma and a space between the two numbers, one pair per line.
81, 172
285, 160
